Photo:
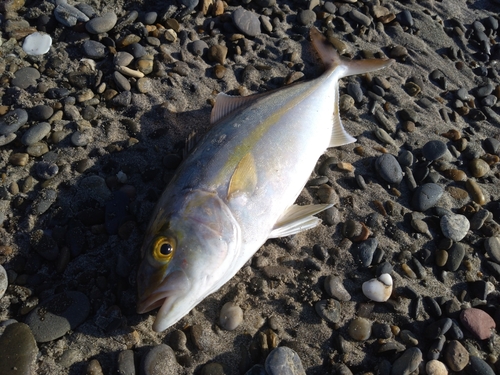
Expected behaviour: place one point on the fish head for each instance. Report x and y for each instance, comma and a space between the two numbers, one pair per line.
188, 253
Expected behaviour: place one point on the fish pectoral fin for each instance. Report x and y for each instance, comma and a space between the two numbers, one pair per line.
227, 104
297, 219
339, 136
244, 178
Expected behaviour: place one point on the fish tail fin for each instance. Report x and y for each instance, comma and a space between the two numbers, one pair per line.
332, 59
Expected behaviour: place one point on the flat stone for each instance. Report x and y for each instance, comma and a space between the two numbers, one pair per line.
408, 362
54, 317
231, 316
478, 366
329, 310
455, 257
456, 356
284, 360
37, 44
35, 133
18, 350
334, 288
454, 226
478, 322
25, 77
68, 15
389, 169
426, 196
102, 24
160, 360
94, 49
247, 22
12, 121
492, 246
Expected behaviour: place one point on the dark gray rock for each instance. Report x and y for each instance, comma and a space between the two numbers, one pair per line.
247, 22
284, 361
426, 196
18, 350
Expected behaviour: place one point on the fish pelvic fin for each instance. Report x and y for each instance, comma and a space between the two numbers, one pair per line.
297, 219
331, 58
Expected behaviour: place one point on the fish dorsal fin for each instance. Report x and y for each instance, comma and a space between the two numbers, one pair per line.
244, 178
339, 135
296, 219
227, 104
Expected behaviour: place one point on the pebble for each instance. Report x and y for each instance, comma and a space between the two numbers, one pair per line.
25, 77
492, 246
4, 282
455, 256
283, 360
366, 249
43, 202
231, 316
126, 364
35, 133
199, 47
12, 121
478, 322
54, 317
434, 150
454, 226
246, 21
307, 17
360, 329
334, 288
478, 366
160, 360
478, 167
102, 24
435, 367
46, 170
122, 83
68, 15
438, 328
41, 112
408, 362
95, 50
426, 196
389, 169
123, 58
455, 356
329, 310
378, 289
37, 44
360, 18
80, 139
18, 352
475, 192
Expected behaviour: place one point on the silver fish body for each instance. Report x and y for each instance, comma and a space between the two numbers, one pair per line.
237, 187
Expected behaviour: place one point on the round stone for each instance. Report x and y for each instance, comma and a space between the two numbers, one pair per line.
426, 196
329, 310
307, 17
378, 289
389, 169
435, 367
25, 77
35, 133
478, 322
360, 329
434, 150
366, 249
454, 226
334, 288
12, 121
283, 360
102, 24
455, 256
478, 167
408, 362
94, 49
46, 170
246, 21
360, 18
57, 315
199, 47
18, 350
231, 316
80, 139
456, 356
41, 112
160, 360
37, 44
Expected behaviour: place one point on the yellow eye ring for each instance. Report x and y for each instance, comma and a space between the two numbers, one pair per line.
164, 248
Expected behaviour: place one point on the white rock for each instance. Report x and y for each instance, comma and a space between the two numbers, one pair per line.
4, 282
231, 316
435, 367
379, 289
37, 44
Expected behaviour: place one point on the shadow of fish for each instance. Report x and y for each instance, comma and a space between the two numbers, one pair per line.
237, 187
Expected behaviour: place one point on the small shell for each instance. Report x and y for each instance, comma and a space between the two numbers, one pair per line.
379, 289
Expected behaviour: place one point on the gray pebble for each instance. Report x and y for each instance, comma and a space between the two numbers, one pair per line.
25, 77
231, 316
123, 99
329, 310
68, 15
87, 9
12, 121
478, 366
137, 50
405, 158
4, 282
334, 288
189, 4
122, 83
307, 17
485, 90
454, 227
405, 18
80, 139
436, 149
492, 145
455, 256
492, 246
365, 251
6, 139
18, 350
489, 101
160, 360
463, 94
247, 22
57, 93
102, 24
57, 315
95, 50
149, 18
408, 362
284, 361
199, 47
126, 364
35, 133
360, 18
41, 112
479, 218
354, 89
426, 196
389, 169
123, 58
46, 170
43, 202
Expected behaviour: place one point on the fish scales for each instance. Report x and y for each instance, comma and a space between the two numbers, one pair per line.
237, 187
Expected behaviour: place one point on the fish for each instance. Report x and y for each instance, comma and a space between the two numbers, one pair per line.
237, 187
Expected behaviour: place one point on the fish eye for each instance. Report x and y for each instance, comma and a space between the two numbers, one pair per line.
164, 248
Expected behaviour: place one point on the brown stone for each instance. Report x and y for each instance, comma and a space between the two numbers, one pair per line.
478, 322
456, 356
475, 192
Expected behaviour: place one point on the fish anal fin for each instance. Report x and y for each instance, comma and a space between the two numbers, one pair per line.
244, 178
339, 136
297, 219
227, 104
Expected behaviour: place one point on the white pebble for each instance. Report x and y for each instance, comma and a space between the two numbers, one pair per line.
231, 316
4, 282
379, 289
435, 367
37, 44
